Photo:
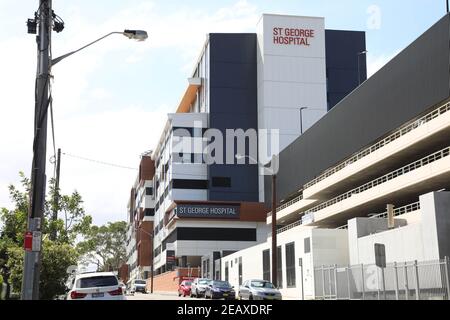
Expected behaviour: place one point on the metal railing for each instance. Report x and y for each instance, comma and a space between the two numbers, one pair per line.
289, 227
400, 211
398, 281
287, 204
397, 212
290, 203
388, 177
399, 133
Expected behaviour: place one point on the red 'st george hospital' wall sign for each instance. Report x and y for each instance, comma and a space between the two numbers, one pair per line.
292, 36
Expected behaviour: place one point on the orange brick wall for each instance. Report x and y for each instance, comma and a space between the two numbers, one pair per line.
169, 282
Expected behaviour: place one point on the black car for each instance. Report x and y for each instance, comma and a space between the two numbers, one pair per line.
220, 290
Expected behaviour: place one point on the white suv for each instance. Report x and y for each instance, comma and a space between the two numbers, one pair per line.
96, 286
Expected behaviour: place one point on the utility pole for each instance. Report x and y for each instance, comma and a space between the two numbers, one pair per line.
274, 227
56, 195
32, 262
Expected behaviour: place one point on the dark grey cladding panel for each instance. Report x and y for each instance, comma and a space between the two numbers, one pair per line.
233, 47
233, 105
239, 75
234, 101
342, 48
407, 86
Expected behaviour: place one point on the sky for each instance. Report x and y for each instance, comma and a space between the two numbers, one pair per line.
110, 100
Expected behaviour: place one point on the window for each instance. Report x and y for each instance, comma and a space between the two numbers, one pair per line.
149, 191
226, 271
166, 192
189, 184
149, 212
266, 265
307, 245
99, 281
240, 271
221, 182
188, 132
279, 268
290, 265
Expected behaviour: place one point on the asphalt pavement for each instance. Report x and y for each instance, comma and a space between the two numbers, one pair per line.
158, 296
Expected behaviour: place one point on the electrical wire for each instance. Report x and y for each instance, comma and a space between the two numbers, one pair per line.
99, 162
53, 134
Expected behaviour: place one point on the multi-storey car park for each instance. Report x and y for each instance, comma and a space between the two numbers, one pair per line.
373, 170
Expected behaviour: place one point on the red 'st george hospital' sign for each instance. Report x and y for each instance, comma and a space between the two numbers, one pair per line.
292, 36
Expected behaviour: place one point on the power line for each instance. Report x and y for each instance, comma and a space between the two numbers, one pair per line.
99, 162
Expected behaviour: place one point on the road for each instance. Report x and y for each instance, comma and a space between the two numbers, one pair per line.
158, 296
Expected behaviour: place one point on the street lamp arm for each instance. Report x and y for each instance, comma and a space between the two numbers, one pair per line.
141, 229
139, 35
56, 60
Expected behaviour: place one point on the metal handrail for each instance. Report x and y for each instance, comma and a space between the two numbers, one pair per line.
397, 212
287, 204
390, 176
396, 135
290, 203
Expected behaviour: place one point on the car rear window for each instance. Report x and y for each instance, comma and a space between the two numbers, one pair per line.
262, 284
102, 281
140, 282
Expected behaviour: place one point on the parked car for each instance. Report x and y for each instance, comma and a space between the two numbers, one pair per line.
96, 286
198, 287
123, 286
220, 290
139, 286
258, 290
184, 289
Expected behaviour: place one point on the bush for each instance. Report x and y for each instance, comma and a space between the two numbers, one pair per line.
1, 287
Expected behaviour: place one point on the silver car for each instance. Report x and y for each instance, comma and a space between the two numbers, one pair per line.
258, 290
198, 287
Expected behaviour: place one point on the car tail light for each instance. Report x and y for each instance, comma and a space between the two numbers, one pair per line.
77, 295
117, 292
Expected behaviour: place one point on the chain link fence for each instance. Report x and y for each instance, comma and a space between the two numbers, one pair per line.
398, 281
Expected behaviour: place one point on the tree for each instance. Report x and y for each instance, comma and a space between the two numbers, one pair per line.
105, 246
58, 255
74, 221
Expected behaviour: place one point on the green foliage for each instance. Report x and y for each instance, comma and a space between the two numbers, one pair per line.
58, 253
56, 258
105, 246
15, 266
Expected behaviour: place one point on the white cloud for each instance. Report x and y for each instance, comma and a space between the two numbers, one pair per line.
376, 62
122, 132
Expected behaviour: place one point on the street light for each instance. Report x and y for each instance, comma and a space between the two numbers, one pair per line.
274, 216
138, 35
301, 119
359, 63
44, 23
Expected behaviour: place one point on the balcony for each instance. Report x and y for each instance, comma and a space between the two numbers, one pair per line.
288, 211
410, 208
427, 174
413, 138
